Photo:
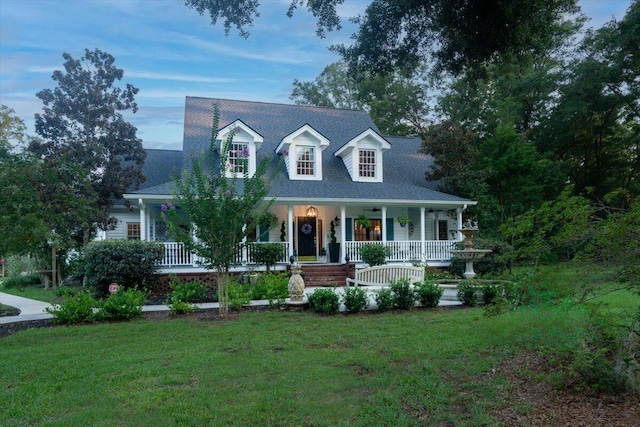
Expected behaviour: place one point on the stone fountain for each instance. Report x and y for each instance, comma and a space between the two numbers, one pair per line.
469, 254
296, 300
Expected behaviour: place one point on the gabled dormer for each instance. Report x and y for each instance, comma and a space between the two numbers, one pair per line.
242, 150
303, 153
362, 156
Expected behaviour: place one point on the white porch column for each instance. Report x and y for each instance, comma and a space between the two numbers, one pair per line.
459, 212
384, 224
143, 220
343, 232
290, 229
423, 243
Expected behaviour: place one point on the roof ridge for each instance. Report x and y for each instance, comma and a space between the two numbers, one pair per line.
280, 104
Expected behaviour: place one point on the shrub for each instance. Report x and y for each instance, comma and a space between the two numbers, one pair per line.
355, 299
74, 309
374, 253
188, 292
468, 293
429, 294
181, 307
489, 293
272, 287
403, 296
238, 296
267, 253
17, 265
122, 261
324, 301
384, 299
21, 281
123, 305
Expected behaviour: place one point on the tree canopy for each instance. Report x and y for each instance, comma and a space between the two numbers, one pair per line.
86, 138
459, 34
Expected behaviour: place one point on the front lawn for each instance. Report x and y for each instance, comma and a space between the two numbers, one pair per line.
423, 367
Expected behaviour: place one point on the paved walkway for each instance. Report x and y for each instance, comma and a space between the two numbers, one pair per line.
36, 310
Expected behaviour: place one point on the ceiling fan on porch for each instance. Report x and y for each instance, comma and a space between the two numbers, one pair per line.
375, 209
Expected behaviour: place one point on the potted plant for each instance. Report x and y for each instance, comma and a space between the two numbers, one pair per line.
363, 221
334, 246
403, 220
323, 255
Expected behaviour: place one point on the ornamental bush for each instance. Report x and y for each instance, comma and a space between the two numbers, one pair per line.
384, 299
74, 309
403, 296
374, 253
429, 294
132, 262
273, 287
468, 293
189, 292
267, 253
122, 305
355, 299
324, 301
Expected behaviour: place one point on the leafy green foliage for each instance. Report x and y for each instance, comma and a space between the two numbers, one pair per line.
404, 298
374, 253
429, 294
181, 307
468, 293
324, 301
21, 281
355, 299
74, 309
384, 299
129, 263
489, 293
123, 305
272, 287
86, 139
239, 295
189, 292
215, 211
267, 253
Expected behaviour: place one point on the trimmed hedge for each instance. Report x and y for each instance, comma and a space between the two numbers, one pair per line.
130, 263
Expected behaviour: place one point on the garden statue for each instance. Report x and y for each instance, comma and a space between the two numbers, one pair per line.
296, 284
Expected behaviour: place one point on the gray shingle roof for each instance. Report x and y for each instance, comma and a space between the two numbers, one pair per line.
404, 168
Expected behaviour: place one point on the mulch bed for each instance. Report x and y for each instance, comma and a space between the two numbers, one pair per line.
552, 406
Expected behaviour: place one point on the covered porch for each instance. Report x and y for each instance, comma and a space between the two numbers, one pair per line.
326, 231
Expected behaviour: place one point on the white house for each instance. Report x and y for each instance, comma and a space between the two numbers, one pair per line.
337, 167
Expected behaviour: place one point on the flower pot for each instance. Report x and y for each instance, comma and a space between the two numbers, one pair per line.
334, 252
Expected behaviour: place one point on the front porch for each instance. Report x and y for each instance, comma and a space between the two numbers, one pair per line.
435, 253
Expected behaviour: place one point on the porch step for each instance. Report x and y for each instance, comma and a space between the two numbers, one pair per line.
325, 274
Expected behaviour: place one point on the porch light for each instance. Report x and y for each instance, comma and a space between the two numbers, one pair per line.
336, 221
312, 211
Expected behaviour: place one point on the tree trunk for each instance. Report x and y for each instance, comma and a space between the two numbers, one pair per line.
223, 294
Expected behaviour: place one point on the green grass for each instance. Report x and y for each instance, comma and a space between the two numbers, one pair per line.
272, 368
37, 292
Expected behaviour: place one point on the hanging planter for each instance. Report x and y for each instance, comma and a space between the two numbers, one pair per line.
403, 220
267, 221
363, 221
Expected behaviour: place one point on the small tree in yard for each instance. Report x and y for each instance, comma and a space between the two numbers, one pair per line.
215, 211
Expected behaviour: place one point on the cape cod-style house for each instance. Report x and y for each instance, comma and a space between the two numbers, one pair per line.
337, 170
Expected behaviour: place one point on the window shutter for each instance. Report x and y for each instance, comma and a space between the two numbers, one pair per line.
264, 235
349, 229
390, 229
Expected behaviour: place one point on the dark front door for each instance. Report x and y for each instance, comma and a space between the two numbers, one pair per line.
306, 236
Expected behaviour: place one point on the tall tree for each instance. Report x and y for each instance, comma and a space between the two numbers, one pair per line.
594, 128
392, 34
215, 212
396, 103
82, 125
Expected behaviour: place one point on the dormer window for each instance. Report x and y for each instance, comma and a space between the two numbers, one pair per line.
303, 153
367, 163
242, 151
237, 157
362, 156
306, 161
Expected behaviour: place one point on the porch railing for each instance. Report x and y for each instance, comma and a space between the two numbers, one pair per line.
408, 250
175, 255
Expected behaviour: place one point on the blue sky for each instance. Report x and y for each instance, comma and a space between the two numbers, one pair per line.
168, 51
